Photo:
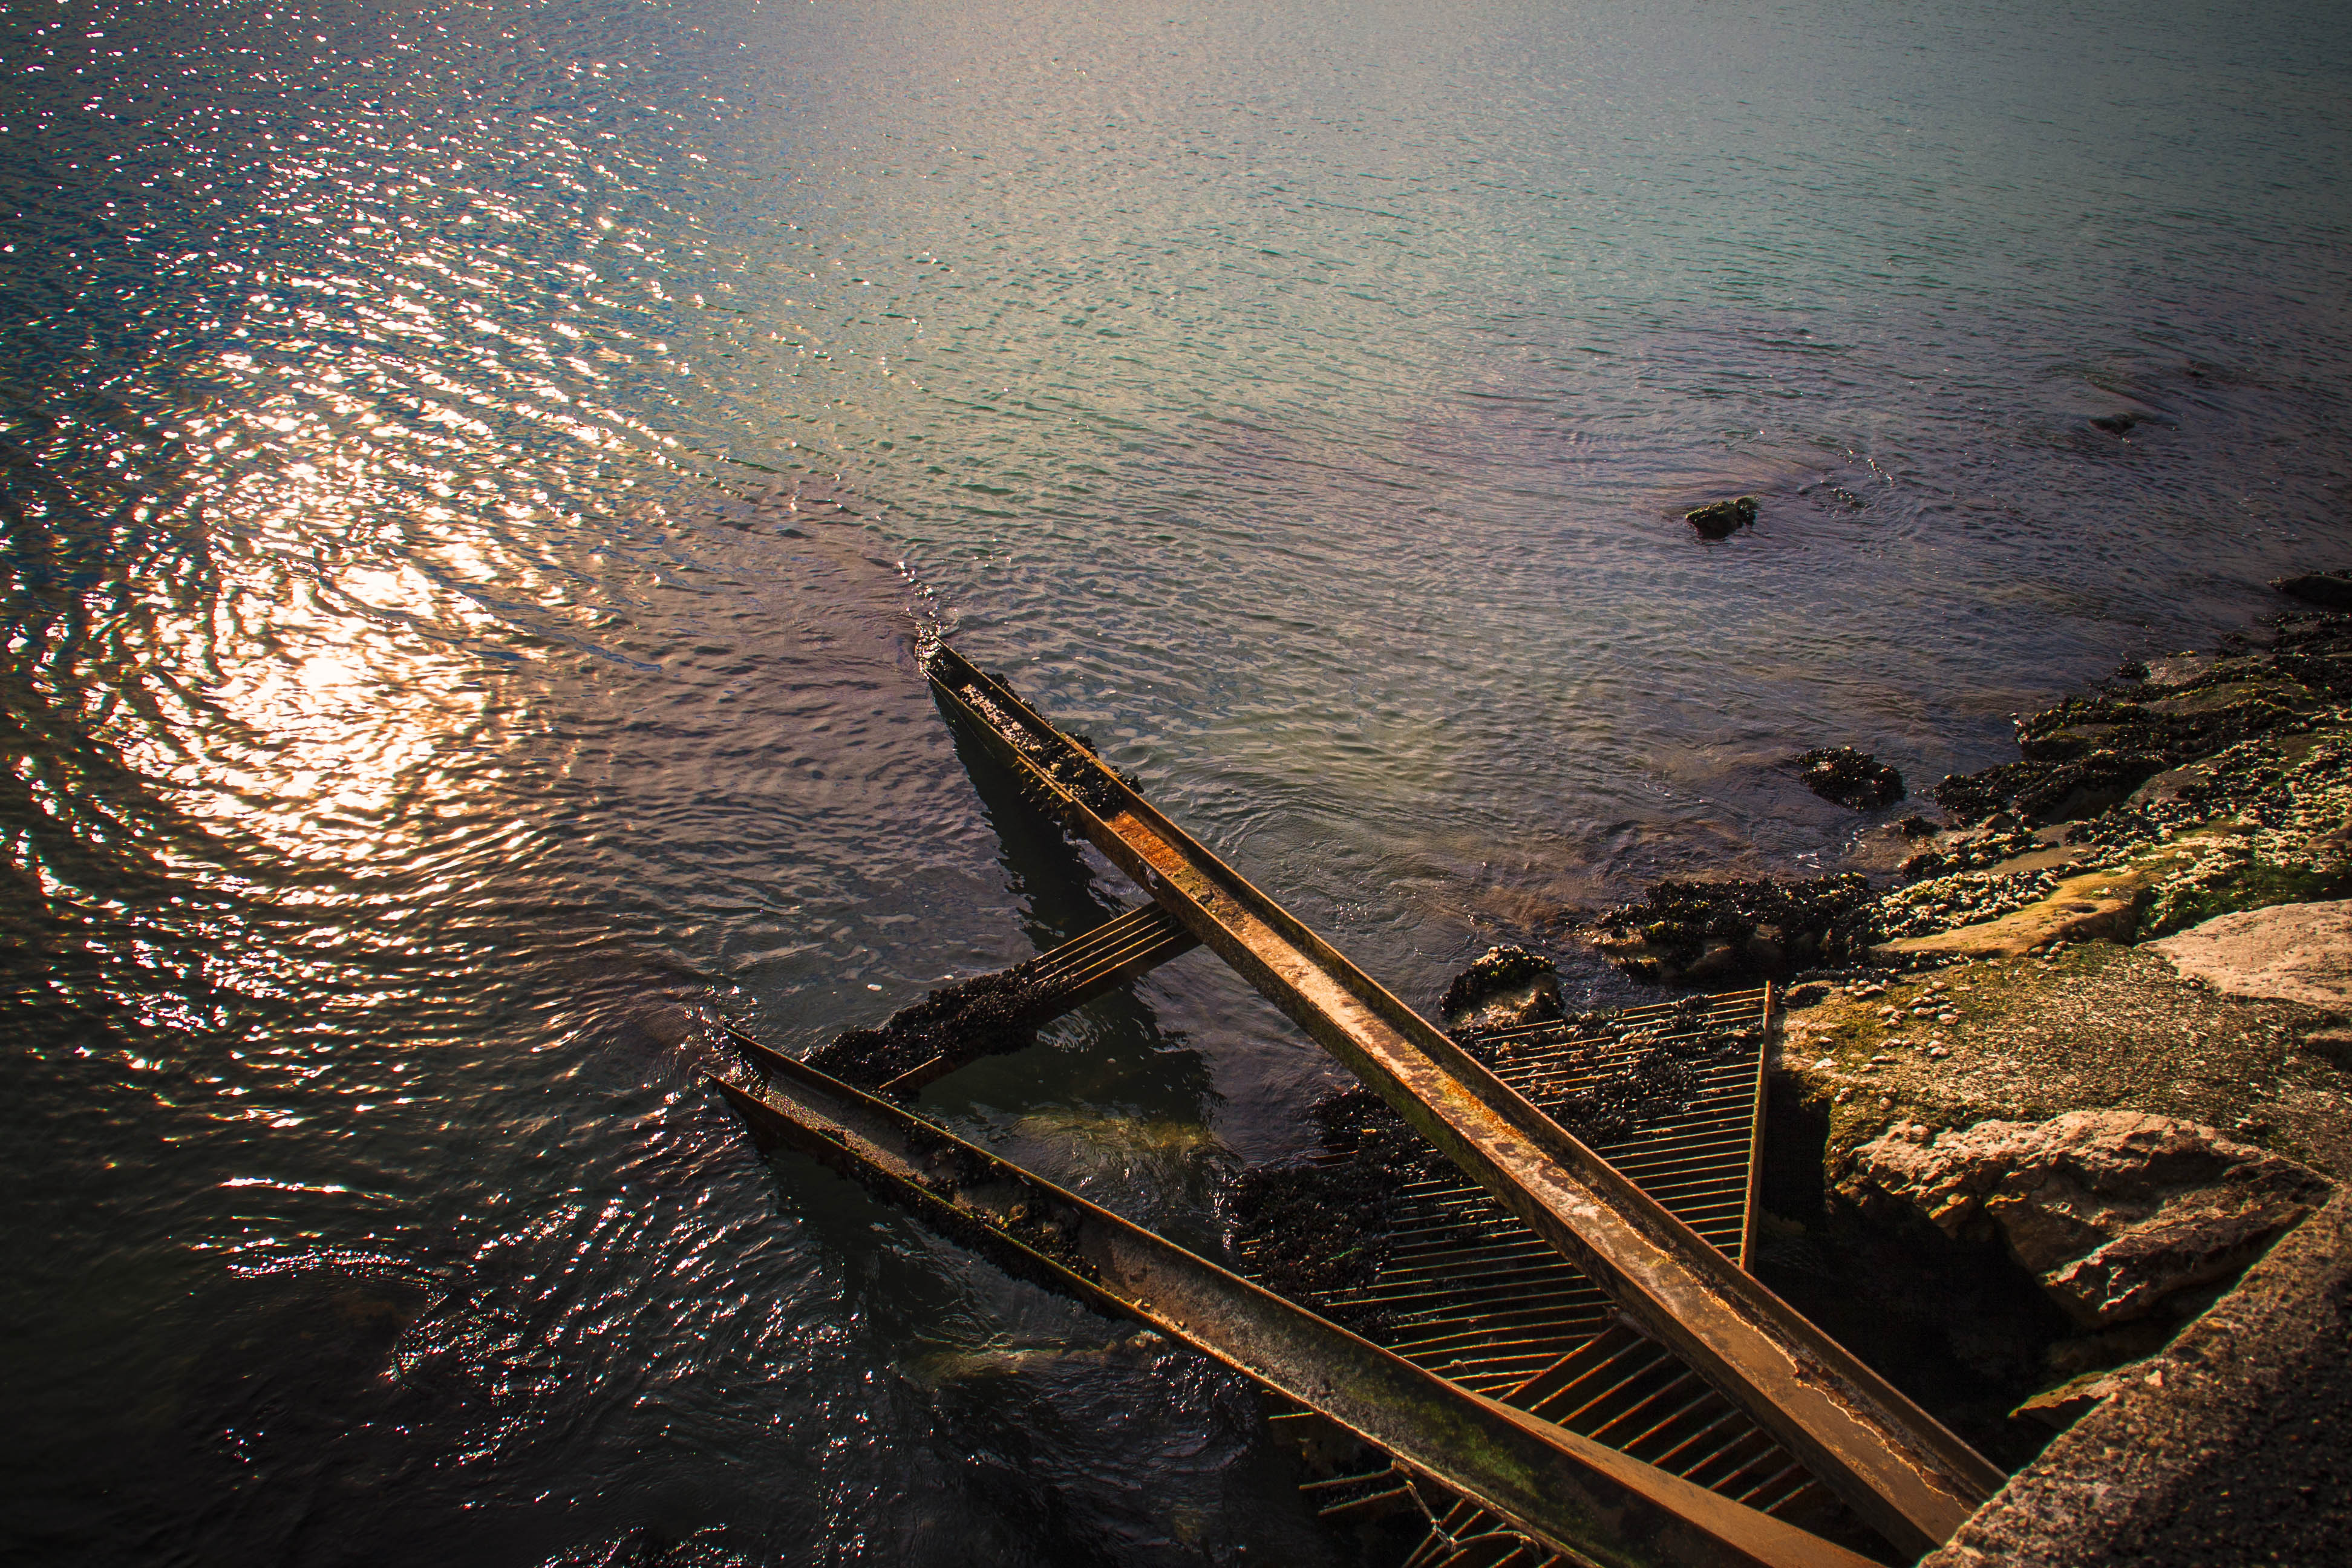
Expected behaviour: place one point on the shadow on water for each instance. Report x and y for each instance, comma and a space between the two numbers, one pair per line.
1047, 867
1108, 1100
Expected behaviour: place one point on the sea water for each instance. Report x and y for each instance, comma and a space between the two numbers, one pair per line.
475, 478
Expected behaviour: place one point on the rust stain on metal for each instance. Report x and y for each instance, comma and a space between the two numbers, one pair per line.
1755, 1144
1577, 1496
1892, 1463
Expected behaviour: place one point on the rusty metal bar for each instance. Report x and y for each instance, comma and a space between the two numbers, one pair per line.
1753, 1214
1900, 1471
1578, 1497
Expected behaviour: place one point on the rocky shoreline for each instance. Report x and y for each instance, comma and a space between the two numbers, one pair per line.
2038, 1106
2057, 1116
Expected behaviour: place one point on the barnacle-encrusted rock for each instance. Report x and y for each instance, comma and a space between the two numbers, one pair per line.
1694, 933
2090, 752
1850, 777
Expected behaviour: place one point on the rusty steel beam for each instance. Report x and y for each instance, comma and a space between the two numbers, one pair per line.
1751, 1218
1899, 1470
1578, 1497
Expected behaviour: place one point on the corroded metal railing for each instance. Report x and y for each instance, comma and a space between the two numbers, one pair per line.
1890, 1462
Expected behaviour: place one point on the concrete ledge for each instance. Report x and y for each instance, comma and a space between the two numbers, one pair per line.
2231, 1447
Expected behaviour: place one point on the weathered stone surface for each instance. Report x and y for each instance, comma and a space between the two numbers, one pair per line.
2091, 1027
2112, 1210
2227, 1448
2060, 1407
1504, 987
2095, 905
2293, 952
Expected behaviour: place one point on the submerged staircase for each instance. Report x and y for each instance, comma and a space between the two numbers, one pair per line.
1562, 1357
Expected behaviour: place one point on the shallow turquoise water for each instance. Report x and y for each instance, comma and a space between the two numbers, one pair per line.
475, 474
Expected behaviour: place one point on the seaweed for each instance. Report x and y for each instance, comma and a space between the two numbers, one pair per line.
1850, 777
989, 1015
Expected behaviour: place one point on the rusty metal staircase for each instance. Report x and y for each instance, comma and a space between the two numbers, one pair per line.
1475, 1296
1580, 1370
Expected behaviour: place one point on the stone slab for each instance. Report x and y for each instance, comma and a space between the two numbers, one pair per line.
2231, 1447
2288, 952
2094, 906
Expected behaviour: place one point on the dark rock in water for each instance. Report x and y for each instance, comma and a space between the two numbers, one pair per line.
1690, 933
1724, 518
2118, 424
2330, 590
1506, 987
1850, 777
990, 1015
2048, 792
1917, 826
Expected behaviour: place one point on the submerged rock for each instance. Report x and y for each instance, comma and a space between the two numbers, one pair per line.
2329, 590
1851, 778
2113, 1211
1722, 519
1505, 987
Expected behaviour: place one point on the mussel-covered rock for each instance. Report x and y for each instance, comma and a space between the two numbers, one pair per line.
2089, 753
1506, 987
1722, 519
1692, 933
1318, 1233
990, 1014
1850, 777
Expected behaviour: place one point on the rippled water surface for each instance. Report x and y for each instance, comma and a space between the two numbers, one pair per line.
473, 475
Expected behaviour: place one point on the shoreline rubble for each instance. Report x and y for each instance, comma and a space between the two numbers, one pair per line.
2095, 1040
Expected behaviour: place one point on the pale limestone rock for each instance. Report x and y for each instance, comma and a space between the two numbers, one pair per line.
2292, 953
2112, 1210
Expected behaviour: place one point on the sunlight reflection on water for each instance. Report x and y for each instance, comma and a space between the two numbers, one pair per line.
472, 477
